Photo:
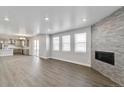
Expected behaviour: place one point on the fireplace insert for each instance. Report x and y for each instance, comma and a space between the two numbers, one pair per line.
107, 57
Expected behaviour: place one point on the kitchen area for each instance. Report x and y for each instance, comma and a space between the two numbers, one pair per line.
16, 45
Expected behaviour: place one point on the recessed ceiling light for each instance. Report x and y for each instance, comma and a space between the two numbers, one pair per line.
6, 19
84, 19
46, 18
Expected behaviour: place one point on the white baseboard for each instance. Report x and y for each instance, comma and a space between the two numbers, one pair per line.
44, 57
70, 61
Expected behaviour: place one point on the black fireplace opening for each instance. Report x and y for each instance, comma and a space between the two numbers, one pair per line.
107, 57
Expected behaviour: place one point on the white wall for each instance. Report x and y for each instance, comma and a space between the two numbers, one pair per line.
79, 58
47, 52
43, 45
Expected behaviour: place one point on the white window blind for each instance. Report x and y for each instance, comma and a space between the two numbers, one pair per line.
80, 42
66, 43
56, 43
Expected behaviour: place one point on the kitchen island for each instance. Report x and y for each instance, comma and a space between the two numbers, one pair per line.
6, 52
14, 51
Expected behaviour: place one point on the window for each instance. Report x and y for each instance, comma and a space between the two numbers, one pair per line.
66, 43
36, 48
80, 42
56, 43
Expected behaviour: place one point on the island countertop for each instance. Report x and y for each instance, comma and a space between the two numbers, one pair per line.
6, 52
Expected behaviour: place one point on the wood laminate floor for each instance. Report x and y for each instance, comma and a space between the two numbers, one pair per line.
28, 71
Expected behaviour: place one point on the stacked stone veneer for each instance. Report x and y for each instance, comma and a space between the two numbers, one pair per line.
108, 36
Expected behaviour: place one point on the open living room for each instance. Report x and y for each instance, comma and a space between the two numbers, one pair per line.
61, 46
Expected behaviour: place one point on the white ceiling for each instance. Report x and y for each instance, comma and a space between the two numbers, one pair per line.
30, 20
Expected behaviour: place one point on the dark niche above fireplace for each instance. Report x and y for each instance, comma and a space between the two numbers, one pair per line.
107, 57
